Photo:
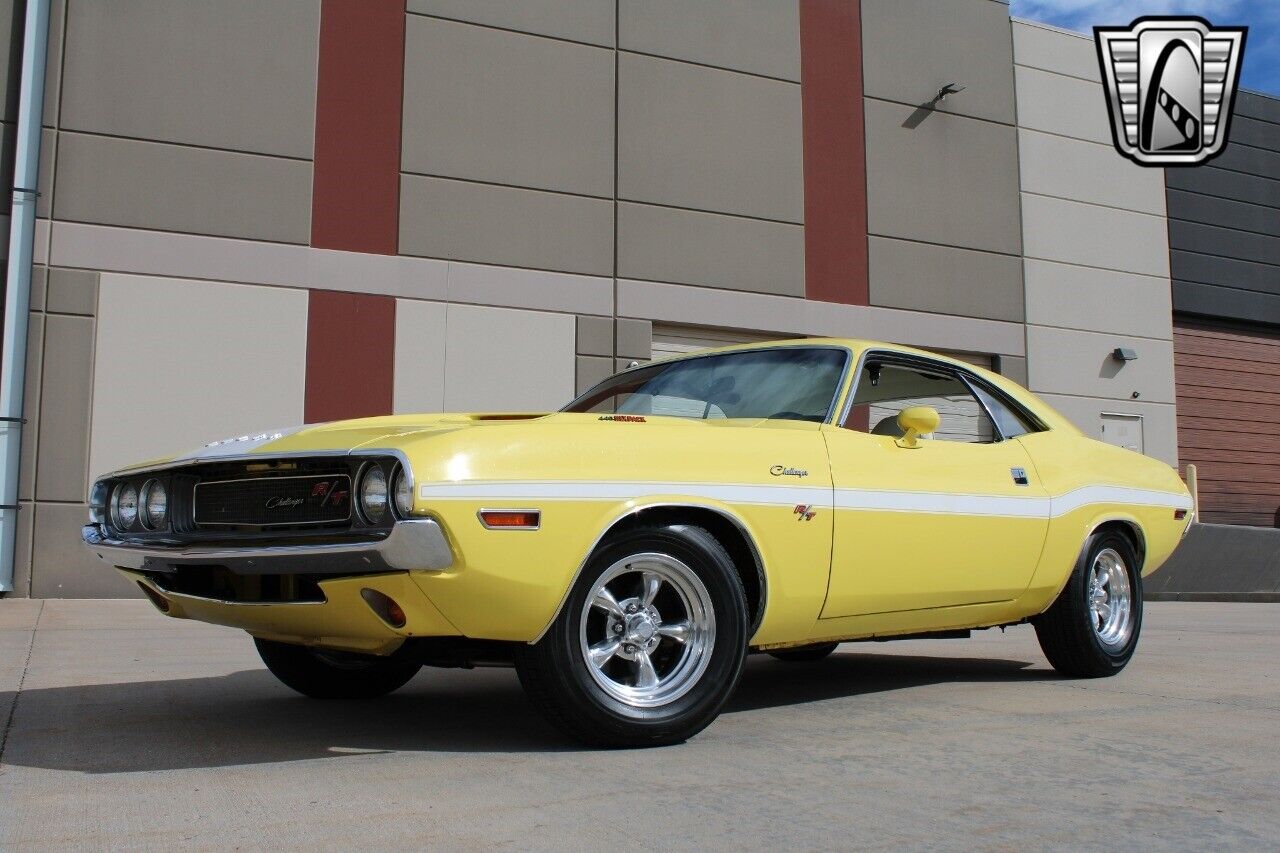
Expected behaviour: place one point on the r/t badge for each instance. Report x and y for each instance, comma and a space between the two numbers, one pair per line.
804, 512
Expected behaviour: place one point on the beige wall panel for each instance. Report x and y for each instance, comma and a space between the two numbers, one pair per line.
479, 375
1076, 233
419, 364
61, 567
782, 315
53, 60
757, 36
182, 363
175, 188
911, 47
1086, 171
577, 20
667, 244
31, 407
539, 290
1067, 361
66, 394
708, 139
950, 179
1055, 50
500, 225
238, 75
923, 277
1067, 106
1075, 297
1159, 421
22, 551
507, 108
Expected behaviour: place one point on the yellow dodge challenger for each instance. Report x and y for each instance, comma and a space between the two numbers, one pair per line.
626, 553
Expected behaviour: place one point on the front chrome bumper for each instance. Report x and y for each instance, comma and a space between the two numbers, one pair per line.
413, 545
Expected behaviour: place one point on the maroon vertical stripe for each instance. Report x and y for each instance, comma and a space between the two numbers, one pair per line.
835, 170
351, 341
355, 191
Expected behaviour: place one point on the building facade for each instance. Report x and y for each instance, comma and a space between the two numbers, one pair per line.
260, 214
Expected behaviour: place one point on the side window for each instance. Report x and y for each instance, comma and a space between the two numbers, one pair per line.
884, 390
1011, 423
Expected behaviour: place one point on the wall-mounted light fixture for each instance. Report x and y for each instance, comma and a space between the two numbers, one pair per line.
1123, 354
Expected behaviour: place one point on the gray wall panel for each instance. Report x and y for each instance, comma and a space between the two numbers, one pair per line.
1075, 297
686, 247
923, 277
1241, 245
949, 179
11, 19
1212, 181
1222, 212
237, 75
1255, 161
911, 47
507, 108
65, 399
757, 36
1250, 131
1089, 235
579, 20
1226, 272
176, 188
1193, 297
708, 139
1258, 106
500, 225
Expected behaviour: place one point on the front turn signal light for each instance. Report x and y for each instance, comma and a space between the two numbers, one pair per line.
385, 606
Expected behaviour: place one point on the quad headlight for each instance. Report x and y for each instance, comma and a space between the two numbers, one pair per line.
403, 491
124, 506
99, 498
155, 505
374, 498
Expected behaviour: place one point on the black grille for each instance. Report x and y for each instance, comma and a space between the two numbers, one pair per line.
274, 501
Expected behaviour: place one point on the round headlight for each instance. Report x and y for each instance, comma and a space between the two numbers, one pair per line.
155, 505
373, 494
99, 497
124, 506
404, 494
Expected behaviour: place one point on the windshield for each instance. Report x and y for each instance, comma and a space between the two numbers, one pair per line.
788, 383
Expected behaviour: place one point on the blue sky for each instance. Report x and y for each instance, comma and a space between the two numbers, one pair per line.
1261, 71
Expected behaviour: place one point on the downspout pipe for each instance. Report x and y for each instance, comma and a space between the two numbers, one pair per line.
17, 296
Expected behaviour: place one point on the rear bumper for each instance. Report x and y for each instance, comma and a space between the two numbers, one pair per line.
412, 545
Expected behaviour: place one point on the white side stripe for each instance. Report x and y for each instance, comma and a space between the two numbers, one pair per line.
1005, 506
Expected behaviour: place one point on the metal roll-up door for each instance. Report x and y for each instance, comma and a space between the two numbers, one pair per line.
1228, 395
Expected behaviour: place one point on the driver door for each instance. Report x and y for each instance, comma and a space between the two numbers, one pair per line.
957, 519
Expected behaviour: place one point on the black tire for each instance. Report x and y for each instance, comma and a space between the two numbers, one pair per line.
805, 654
336, 675
1067, 630
567, 692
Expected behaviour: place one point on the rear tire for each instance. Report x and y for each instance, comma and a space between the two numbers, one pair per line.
336, 675
1091, 630
648, 645
806, 654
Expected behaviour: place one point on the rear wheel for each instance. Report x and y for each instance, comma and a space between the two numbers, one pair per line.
324, 674
1092, 628
806, 654
648, 645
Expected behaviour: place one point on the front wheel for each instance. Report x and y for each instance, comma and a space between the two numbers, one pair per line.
1092, 629
324, 674
648, 645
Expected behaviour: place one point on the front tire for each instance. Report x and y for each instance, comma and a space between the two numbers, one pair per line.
649, 644
1091, 630
336, 675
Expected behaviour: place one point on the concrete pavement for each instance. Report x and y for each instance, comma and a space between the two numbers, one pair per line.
125, 728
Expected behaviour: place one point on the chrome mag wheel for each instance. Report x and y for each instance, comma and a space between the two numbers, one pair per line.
647, 630
1110, 599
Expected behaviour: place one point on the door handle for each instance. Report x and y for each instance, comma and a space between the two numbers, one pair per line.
1019, 476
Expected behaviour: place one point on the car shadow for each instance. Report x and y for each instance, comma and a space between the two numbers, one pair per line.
247, 717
